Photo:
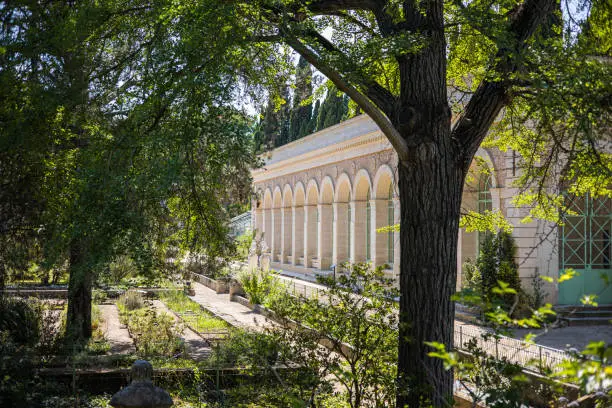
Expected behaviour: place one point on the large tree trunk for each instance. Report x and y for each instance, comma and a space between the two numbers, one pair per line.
430, 194
78, 319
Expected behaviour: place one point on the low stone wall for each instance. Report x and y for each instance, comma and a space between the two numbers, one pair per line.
110, 380
37, 293
219, 286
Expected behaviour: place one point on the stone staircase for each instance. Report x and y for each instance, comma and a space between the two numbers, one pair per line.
585, 315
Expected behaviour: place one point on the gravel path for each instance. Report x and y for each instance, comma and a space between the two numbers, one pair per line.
116, 333
197, 348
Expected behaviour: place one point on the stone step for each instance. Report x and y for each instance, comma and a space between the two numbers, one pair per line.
588, 321
561, 309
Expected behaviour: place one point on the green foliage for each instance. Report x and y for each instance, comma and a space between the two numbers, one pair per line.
122, 267
20, 320
334, 108
355, 320
16, 372
129, 301
594, 375
243, 244
496, 263
154, 333
471, 276
257, 284
115, 166
245, 349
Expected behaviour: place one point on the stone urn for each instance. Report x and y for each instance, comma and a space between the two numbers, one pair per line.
141, 392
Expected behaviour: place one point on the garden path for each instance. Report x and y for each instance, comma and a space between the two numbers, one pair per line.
234, 313
197, 348
116, 333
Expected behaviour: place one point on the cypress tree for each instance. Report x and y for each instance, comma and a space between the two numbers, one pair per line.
334, 109
301, 115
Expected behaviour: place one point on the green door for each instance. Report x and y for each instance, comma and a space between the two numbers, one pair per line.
586, 248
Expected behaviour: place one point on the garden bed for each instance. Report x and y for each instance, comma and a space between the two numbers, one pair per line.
201, 321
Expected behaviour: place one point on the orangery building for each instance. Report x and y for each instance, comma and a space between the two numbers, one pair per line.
322, 200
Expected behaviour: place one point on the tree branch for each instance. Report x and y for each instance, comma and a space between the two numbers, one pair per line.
373, 90
492, 95
366, 104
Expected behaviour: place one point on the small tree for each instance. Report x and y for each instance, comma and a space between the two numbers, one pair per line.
496, 263
357, 321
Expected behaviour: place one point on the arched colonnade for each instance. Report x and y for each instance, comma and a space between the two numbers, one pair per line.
328, 221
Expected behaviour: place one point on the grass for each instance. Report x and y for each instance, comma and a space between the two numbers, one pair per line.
191, 312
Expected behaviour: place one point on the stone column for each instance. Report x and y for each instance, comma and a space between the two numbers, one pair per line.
267, 230
297, 234
341, 244
379, 241
258, 220
276, 235
286, 248
358, 231
325, 236
310, 234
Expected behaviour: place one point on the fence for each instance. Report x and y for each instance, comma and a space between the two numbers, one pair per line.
531, 356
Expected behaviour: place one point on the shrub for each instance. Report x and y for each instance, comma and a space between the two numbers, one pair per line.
247, 350
496, 263
130, 301
257, 284
122, 267
20, 319
154, 333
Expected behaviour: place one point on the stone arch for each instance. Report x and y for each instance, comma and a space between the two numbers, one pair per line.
277, 225
297, 240
476, 199
277, 198
325, 224
363, 185
287, 196
311, 225
299, 197
312, 192
267, 199
327, 190
361, 234
343, 189
383, 181
287, 224
342, 220
488, 159
267, 218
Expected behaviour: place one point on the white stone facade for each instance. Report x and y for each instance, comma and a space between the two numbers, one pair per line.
320, 200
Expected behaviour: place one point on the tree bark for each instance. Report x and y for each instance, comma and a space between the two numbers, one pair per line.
430, 194
78, 319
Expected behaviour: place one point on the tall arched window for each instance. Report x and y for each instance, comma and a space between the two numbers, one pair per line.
390, 222
484, 201
368, 227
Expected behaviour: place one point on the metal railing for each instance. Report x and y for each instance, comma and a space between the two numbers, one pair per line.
531, 356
